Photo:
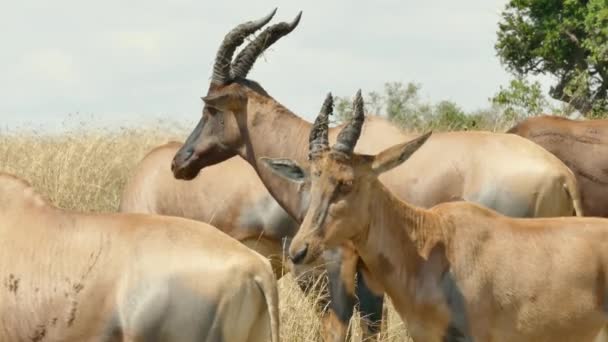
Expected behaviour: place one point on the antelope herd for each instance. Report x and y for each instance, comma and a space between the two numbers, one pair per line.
467, 232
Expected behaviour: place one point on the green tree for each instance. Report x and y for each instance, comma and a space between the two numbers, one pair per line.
399, 102
402, 102
520, 99
448, 115
343, 111
567, 39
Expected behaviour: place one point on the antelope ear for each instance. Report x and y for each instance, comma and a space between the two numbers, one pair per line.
285, 168
394, 156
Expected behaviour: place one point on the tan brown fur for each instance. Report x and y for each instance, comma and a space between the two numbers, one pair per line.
519, 178
580, 144
459, 270
239, 117
229, 196
532, 175
71, 276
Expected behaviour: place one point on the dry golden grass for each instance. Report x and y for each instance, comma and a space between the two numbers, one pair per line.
81, 170
86, 170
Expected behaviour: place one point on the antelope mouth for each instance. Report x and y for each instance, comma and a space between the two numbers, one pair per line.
188, 163
186, 166
186, 169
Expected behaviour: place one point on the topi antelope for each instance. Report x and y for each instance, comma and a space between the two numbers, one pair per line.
70, 276
517, 177
457, 271
228, 196
199, 152
580, 144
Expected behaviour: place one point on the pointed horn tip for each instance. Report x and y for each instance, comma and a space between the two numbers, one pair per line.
328, 105
358, 103
359, 97
296, 20
329, 99
268, 17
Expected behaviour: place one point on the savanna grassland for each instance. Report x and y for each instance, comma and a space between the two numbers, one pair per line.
86, 170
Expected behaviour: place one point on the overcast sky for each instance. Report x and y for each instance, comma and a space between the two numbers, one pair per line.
132, 60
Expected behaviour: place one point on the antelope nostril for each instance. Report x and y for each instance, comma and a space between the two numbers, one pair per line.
188, 153
300, 255
180, 158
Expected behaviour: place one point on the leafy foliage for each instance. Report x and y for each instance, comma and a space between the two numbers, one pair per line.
402, 104
520, 99
567, 39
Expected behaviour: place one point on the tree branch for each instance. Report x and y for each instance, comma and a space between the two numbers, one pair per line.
572, 37
581, 104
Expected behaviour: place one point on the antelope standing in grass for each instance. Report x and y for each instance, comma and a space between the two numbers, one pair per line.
70, 276
457, 271
501, 171
580, 144
228, 196
225, 71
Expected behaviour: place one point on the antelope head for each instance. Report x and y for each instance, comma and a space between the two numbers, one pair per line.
341, 184
217, 136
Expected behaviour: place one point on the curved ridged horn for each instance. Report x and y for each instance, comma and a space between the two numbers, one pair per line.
318, 140
245, 59
234, 38
348, 136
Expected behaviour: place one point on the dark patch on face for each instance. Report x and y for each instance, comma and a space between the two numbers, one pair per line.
185, 156
320, 215
370, 304
12, 283
385, 264
39, 333
54, 321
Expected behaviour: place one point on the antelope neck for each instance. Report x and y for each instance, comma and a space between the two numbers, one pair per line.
397, 247
273, 131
